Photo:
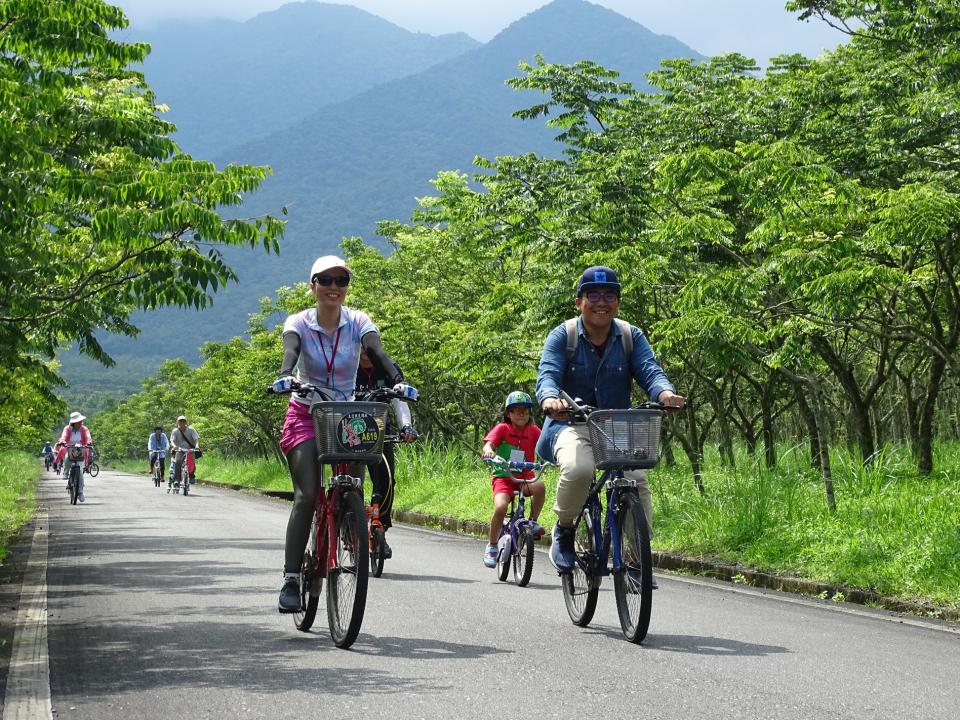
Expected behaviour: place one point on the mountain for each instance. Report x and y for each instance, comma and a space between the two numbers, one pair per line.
344, 166
229, 82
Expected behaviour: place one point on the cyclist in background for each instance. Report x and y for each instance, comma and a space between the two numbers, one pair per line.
46, 452
184, 437
74, 432
323, 345
157, 446
588, 358
382, 476
516, 433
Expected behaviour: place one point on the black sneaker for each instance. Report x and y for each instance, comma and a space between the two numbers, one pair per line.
289, 596
387, 552
562, 555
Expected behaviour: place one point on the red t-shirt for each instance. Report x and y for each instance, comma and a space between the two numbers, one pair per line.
504, 437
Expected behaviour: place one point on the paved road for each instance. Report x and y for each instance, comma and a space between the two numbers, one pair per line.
163, 606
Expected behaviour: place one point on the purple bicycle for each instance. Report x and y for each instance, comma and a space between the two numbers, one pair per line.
515, 547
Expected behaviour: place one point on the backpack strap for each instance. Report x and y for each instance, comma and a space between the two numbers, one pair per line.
573, 337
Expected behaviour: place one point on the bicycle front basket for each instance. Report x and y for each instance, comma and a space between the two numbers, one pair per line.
76, 453
349, 432
625, 439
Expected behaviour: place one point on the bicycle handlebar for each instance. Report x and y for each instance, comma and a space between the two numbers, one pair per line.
581, 412
378, 395
513, 464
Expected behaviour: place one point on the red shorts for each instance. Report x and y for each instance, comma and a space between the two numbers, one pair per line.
507, 486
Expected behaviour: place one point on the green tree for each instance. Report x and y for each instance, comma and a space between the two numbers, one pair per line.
100, 214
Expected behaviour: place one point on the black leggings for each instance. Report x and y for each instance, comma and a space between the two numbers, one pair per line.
302, 462
384, 481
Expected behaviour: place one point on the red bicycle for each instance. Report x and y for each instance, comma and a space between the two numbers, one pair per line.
348, 434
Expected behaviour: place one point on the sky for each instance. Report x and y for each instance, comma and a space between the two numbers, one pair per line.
757, 28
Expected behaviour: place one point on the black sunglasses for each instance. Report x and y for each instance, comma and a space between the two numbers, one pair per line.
326, 280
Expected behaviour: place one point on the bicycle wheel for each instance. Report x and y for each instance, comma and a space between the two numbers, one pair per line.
347, 583
93, 469
377, 541
504, 553
310, 583
523, 560
582, 586
633, 584
75, 473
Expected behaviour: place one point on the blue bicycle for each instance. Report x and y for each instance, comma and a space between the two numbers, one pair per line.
622, 440
515, 546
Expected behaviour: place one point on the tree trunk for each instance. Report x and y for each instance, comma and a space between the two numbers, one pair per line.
927, 409
823, 435
807, 414
766, 413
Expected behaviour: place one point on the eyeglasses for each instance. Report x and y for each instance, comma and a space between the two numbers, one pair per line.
606, 295
327, 280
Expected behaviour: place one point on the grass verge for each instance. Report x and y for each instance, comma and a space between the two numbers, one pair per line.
19, 473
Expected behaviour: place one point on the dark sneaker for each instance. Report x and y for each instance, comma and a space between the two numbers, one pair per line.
289, 596
653, 583
562, 555
193, 479
387, 551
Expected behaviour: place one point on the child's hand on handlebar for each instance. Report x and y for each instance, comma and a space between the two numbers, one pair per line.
408, 434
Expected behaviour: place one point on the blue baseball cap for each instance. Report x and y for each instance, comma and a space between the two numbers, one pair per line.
598, 276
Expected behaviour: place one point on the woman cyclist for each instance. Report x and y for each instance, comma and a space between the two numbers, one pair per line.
323, 344
74, 432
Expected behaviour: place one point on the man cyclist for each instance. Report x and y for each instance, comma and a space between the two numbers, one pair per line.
157, 446
592, 358
46, 452
182, 438
382, 477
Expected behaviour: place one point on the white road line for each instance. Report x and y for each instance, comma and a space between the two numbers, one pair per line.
28, 682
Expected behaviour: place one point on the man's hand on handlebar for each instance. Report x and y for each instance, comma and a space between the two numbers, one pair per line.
670, 399
408, 434
555, 408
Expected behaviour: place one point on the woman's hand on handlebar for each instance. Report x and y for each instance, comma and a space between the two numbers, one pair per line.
284, 384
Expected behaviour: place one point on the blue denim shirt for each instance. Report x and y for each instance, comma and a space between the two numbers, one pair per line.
162, 445
603, 382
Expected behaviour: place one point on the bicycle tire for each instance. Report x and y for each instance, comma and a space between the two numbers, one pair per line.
310, 583
93, 469
75, 474
377, 540
505, 551
582, 586
523, 560
633, 584
347, 583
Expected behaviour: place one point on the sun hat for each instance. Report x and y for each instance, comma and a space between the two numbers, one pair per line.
77, 417
598, 276
328, 262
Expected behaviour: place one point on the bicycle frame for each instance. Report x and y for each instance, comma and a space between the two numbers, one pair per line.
328, 496
606, 535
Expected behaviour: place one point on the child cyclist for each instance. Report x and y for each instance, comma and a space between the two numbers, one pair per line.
515, 435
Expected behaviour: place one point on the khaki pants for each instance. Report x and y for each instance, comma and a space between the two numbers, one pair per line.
577, 471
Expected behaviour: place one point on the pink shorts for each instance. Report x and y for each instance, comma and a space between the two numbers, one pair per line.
297, 426
507, 486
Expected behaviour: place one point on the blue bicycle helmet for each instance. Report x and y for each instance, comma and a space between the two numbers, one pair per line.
517, 398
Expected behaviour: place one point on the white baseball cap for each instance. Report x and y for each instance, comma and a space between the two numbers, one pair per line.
76, 417
328, 262
182, 417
